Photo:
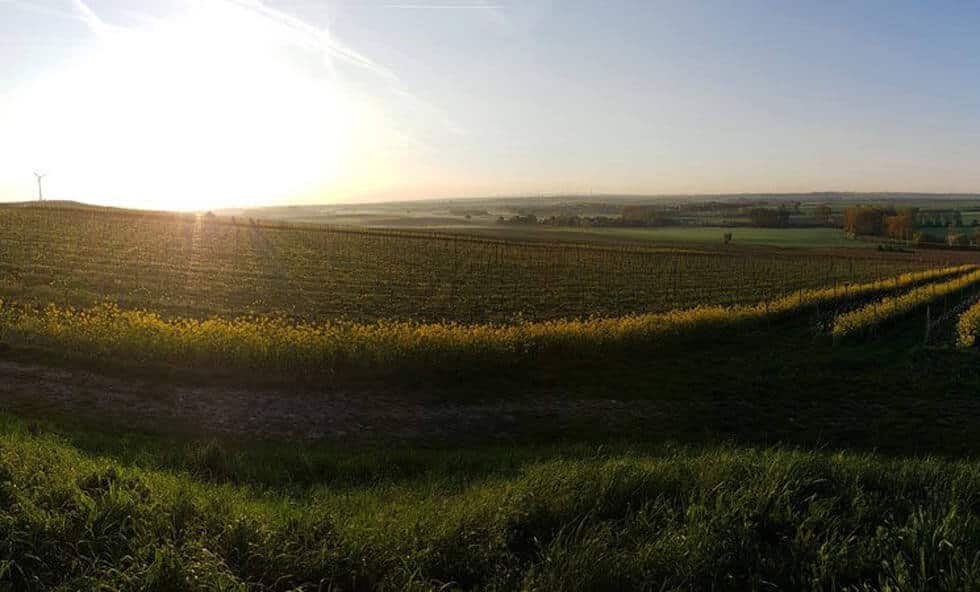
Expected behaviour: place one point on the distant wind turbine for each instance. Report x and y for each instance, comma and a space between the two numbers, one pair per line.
40, 194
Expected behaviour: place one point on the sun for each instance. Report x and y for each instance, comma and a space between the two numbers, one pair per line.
216, 106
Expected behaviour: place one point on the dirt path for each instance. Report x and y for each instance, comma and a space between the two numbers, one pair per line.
841, 419
275, 413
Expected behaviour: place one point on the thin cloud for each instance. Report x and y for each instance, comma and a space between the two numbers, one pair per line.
495, 10
304, 35
88, 16
439, 6
36, 8
418, 103
316, 37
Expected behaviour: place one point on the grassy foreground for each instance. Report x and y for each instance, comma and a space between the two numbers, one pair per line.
208, 516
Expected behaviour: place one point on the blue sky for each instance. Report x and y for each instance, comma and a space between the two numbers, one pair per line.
178, 104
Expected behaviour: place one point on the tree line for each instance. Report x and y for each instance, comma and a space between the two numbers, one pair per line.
903, 223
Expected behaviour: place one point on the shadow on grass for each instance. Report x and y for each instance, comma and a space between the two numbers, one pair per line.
782, 386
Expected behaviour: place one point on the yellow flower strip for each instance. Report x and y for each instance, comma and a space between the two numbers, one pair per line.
108, 333
871, 315
968, 326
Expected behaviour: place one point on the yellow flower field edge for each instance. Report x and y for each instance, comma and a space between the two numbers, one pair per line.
803, 299
968, 326
859, 321
271, 346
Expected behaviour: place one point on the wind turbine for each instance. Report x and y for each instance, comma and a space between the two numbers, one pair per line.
40, 194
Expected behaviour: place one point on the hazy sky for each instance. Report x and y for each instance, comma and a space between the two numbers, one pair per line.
190, 104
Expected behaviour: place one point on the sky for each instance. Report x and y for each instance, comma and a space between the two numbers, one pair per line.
196, 104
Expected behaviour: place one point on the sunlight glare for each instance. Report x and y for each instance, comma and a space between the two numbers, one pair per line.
216, 107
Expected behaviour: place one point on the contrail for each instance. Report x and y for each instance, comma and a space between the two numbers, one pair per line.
449, 6
317, 38
96, 24
321, 37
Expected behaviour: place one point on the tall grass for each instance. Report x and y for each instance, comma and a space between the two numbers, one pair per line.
861, 320
678, 519
277, 347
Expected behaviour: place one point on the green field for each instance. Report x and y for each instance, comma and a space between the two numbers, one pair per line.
195, 403
829, 238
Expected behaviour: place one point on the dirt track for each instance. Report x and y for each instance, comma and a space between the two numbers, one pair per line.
842, 418
332, 415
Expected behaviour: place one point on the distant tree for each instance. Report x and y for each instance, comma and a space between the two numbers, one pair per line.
519, 219
769, 217
640, 215
900, 225
924, 237
958, 240
939, 218
822, 214
864, 220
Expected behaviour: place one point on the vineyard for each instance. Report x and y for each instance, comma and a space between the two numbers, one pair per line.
274, 347
196, 403
189, 266
303, 302
968, 326
893, 307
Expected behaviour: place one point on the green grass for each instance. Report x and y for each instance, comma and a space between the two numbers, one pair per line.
772, 237
666, 518
798, 238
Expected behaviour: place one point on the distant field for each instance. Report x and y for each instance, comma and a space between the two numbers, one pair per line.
704, 235
193, 266
777, 237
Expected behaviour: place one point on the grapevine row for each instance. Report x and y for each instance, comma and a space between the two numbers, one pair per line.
859, 321
275, 345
